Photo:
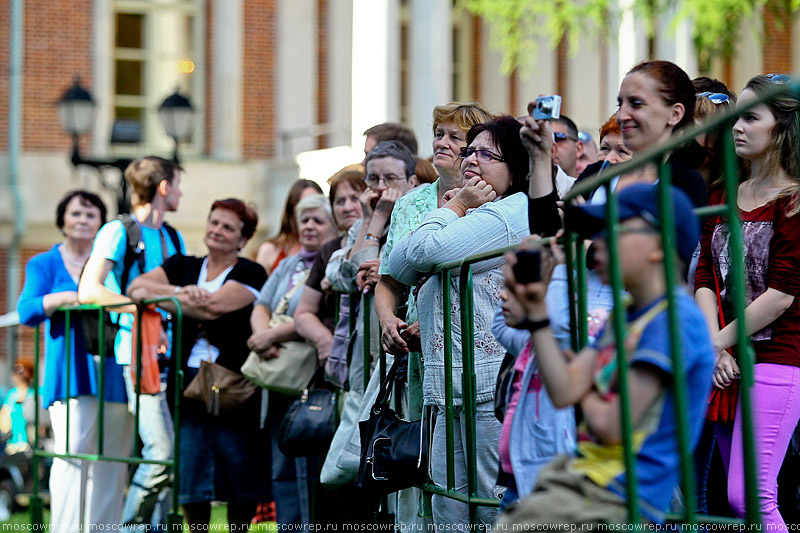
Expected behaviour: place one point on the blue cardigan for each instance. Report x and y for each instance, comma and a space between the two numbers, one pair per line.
44, 274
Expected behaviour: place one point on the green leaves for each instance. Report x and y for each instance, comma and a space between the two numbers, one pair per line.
519, 26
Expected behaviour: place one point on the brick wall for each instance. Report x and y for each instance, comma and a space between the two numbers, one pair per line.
259, 87
57, 40
776, 49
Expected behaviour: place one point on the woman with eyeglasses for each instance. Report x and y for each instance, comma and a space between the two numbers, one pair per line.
657, 99
488, 212
767, 137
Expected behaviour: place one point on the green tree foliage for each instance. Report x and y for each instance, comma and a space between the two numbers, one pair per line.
519, 25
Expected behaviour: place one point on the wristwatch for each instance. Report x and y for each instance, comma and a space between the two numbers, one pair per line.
534, 325
371, 237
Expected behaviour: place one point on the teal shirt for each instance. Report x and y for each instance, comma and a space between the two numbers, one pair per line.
19, 426
407, 215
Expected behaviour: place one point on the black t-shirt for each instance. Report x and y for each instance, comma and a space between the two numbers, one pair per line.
228, 333
327, 306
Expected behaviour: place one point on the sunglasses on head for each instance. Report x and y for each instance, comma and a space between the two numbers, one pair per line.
716, 98
779, 79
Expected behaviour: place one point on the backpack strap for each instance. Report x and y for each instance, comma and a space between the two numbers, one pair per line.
173, 236
134, 249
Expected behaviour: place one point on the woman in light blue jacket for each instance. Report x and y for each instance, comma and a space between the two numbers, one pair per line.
487, 213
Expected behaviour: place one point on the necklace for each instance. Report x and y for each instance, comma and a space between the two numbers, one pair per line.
77, 263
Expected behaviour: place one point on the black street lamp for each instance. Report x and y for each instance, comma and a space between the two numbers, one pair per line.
177, 116
76, 109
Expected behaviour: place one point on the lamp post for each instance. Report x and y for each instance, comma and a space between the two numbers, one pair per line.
177, 116
76, 109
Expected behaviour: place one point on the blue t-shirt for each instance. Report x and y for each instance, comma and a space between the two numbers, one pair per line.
112, 240
656, 436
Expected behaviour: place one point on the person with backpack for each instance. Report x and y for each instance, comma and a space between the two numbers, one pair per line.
125, 248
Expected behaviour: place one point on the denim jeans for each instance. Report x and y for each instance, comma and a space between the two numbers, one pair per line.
487, 436
156, 432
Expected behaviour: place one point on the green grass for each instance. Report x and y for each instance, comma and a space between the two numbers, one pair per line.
219, 513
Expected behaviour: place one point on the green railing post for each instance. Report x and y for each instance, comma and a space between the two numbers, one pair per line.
469, 387
101, 393
572, 264
681, 405
67, 349
619, 322
175, 518
449, 409
36, 503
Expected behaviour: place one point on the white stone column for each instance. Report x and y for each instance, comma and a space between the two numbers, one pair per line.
370, 96
226, 75
431, 40
102, 83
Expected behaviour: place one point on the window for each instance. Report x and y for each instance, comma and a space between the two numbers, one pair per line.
157, 49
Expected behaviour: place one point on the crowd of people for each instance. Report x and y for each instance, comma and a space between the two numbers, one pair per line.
547, 421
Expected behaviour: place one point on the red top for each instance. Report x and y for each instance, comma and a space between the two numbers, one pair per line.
771, 260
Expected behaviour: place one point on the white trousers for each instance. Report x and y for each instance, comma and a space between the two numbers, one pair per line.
89, 493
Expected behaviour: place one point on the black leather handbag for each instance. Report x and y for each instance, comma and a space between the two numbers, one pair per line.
309, 425
394, 452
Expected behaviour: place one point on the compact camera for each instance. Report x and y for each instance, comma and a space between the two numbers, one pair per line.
546, 107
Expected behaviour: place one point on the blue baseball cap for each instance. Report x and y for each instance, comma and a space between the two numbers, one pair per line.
641, 200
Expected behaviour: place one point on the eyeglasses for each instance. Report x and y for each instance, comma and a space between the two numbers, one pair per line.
373, 180
779, 79
716, 98
584, 137
481, 153
558, 137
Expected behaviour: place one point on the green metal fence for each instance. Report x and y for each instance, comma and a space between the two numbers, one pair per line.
577, 279
174, 519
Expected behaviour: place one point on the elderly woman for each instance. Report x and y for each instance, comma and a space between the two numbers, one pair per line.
316, 310
221, 457
316, 227
286, 243
490, 204
51, 281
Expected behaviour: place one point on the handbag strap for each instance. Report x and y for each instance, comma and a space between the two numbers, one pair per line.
386, 386
283, 304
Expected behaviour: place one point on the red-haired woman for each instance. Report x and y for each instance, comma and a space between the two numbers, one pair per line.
222, 458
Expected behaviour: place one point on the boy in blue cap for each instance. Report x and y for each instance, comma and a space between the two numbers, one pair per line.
589, 489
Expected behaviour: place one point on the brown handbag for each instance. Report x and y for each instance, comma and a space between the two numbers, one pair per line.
222, 391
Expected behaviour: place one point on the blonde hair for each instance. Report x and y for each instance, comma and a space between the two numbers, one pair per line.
463, 115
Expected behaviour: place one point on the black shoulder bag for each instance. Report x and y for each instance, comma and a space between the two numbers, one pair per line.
394, 452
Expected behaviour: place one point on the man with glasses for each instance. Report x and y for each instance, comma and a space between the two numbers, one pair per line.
567, 148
